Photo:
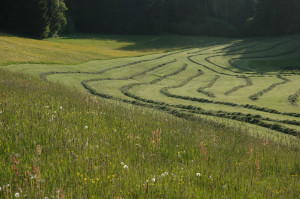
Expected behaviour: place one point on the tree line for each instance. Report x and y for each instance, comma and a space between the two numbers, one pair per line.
48, 18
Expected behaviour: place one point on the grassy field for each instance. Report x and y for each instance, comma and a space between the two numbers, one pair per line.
70, 143
222, 78
75, 49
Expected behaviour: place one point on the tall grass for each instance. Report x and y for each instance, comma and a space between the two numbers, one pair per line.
56, 142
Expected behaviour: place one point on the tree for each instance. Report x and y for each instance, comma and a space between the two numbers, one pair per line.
35, 18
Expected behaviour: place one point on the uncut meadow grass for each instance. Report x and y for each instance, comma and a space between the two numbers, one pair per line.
58, 142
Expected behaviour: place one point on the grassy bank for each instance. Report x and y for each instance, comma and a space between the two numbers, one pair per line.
58, 142
79, 48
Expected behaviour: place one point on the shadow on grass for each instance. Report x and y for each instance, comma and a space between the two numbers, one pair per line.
154, 42
265, 54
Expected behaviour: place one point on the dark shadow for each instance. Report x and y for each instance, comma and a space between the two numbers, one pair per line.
265, 54
151, 42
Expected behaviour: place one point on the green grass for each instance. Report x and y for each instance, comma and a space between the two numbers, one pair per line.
211, 57
121, 90
57, 142
277, 64
80, 48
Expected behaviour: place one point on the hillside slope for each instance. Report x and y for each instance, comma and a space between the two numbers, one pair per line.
56, 142
234, 80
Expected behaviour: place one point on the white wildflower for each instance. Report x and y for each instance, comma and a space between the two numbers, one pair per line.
164, 174
198, 174
17, 195
61, 107
86, 127
32, 176
225, 186
153, 179
125, 166
122, 163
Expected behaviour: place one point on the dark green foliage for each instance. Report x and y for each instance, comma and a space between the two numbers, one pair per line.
274, 17
188, 17
35, 18
44, 18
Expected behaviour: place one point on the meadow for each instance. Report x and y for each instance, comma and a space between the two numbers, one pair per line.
156, 124
247, 81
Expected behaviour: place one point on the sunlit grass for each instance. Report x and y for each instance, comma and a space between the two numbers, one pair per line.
56, 142
15, 49
213, 56
79, 48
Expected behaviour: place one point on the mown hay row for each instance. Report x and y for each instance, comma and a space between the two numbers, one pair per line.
209, 85
266, 90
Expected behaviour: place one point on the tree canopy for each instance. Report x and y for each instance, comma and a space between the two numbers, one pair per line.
36, 18
47, 18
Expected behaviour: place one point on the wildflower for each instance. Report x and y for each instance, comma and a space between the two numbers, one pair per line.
0, 112
164, 174
122, 163
61, 107
198, 174
17, 195
125, 166
153, 179
86, 127
0, 189
210, 177
32, 176
225, 186
147, 181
